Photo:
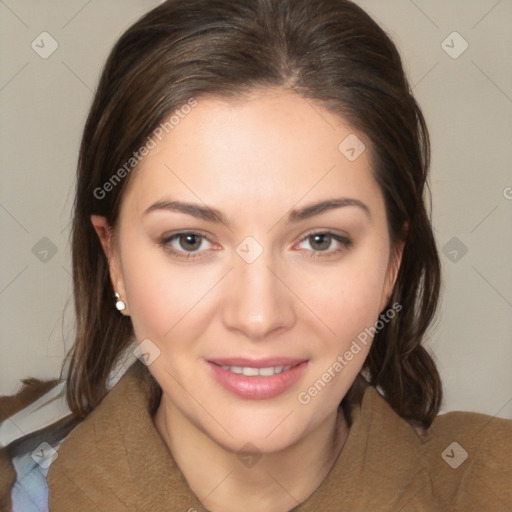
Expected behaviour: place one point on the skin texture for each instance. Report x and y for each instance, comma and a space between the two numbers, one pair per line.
254, 159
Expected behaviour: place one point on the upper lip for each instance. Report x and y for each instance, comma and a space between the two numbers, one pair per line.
257, 363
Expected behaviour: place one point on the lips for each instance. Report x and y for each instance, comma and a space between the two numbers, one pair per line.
253, 379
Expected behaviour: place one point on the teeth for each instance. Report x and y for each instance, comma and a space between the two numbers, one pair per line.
267, 372
250, 372
254, 372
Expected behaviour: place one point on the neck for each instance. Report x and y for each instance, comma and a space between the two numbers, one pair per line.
227, 481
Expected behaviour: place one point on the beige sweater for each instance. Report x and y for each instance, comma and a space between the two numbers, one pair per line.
115, 460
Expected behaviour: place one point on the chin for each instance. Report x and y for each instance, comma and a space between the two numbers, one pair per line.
268, 430
255, 440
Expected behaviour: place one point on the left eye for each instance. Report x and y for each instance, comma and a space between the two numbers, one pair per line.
324, 240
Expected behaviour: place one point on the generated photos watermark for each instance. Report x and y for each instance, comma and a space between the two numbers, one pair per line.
159, 132
304, 397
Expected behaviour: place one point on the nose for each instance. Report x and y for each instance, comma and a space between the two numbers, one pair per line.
258, 302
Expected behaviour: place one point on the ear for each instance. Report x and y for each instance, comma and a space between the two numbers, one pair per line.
106, 237
395, 261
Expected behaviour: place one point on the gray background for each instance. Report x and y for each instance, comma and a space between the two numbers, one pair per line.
466, 98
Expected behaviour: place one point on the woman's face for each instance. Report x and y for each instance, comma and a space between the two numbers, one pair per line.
253, 287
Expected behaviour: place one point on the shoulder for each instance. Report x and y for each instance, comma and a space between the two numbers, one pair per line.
477, 448
93, 464
34, 425
473, 436
27, 462
24, 466
462, 462
30, 433
474, 427
28, 487
469, 455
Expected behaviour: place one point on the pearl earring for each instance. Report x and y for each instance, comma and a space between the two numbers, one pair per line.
120, 305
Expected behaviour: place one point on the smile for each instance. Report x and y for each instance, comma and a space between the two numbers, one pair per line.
257, 380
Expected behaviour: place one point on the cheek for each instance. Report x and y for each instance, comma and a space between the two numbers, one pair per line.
348, 298
161, 296
348, 301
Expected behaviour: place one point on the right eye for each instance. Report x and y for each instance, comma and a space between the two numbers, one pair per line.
184, 244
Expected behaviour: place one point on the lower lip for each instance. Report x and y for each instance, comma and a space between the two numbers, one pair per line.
258, 388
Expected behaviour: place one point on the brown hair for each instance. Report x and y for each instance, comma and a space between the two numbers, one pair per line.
329, 51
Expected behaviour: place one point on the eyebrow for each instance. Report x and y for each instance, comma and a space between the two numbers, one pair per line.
213, 215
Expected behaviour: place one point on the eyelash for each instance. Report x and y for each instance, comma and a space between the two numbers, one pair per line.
345, 242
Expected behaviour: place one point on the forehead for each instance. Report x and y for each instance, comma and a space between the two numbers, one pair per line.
271, 146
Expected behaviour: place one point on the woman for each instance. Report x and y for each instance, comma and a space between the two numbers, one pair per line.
250, 223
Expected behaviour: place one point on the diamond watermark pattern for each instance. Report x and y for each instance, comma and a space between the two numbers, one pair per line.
351, 147
44, 250
454, 455
44, 45
249, 249
249, 455
44, 455
454, 250
146, 352
454, 45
